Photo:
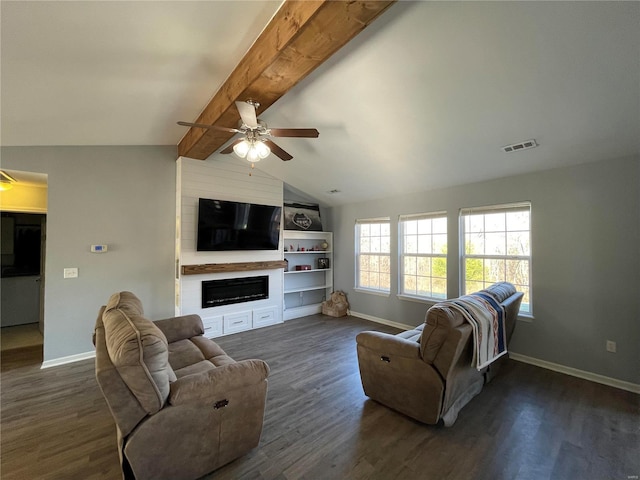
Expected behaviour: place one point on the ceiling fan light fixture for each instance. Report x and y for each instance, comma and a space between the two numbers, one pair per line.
252, 150
242, 148
252, 146
262, 149
252, 155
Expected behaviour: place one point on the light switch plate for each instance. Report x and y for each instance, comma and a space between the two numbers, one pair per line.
71, 272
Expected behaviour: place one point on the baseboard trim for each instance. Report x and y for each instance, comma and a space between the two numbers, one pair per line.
70, 359
574, 372
383, 321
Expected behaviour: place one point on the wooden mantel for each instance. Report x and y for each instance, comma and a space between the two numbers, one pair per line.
231, 267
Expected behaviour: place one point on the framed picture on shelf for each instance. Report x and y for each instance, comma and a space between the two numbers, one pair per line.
323, 262
302, 216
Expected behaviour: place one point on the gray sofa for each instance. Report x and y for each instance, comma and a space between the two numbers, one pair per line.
427, 373
182, 407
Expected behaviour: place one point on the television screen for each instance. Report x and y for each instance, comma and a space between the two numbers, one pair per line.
225, 225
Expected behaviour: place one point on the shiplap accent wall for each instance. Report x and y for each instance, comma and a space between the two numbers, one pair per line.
221, 179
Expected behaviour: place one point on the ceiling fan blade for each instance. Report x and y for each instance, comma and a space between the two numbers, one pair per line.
276, 150
248, 114
295, 132
214, 127
229, 148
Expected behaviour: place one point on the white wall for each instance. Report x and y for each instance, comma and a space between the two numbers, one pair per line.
120, 196
586, 261
222, 178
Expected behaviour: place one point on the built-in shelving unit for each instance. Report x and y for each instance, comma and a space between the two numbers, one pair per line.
305, 290
224, 179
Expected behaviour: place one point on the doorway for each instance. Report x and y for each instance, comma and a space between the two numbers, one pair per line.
23, 206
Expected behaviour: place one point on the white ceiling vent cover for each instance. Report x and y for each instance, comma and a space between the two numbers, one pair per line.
516, 147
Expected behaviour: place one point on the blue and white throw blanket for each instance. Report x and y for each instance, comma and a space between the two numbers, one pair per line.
487, 318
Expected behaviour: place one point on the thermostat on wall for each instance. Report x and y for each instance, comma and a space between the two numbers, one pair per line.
98, 248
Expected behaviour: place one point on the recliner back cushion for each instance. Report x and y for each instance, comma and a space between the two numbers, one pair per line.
500, 291
139, 351
439, 322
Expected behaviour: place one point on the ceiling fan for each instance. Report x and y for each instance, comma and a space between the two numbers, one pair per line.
255, 144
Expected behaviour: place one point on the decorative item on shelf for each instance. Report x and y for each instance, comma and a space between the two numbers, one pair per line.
323, 262
303, 267
302, 216
324, 245
286, 267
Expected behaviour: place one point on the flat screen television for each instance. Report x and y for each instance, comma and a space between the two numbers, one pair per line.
226, 226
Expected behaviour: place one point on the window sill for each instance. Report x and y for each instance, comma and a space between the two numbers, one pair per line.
526, 317
411, 298
380, 293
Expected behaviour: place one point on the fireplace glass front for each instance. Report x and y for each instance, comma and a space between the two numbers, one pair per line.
234, 290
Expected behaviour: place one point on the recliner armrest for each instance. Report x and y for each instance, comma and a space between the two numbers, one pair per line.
389, 344
213, 385
181, 328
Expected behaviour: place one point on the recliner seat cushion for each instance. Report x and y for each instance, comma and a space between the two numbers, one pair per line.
139, 351
184, 353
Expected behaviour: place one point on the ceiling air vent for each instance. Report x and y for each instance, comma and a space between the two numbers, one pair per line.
516, 147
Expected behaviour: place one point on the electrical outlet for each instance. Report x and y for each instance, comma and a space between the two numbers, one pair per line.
611, 346
70, 273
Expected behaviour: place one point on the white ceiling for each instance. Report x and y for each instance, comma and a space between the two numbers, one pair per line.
424, 98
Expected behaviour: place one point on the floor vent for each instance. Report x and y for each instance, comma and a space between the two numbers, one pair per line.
516, 147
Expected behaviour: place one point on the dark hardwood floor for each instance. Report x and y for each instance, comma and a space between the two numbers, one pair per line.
529, 423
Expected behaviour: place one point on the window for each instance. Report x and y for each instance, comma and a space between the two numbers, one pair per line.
423, 255
373, 248
497, 247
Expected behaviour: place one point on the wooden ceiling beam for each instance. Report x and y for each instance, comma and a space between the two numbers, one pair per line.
298, 39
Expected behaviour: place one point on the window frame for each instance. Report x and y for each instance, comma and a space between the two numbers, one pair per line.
402, 254
509, 207
358, 254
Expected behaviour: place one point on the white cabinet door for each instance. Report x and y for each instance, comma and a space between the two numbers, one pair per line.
212, 326
237, 322
266, 316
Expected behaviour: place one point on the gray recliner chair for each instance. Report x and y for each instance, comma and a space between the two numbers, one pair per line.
182, 407
427, 373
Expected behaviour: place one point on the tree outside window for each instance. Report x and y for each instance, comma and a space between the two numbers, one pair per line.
497, 247
423, 255
373, 249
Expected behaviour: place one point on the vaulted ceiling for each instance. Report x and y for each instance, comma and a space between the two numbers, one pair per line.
423, 98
